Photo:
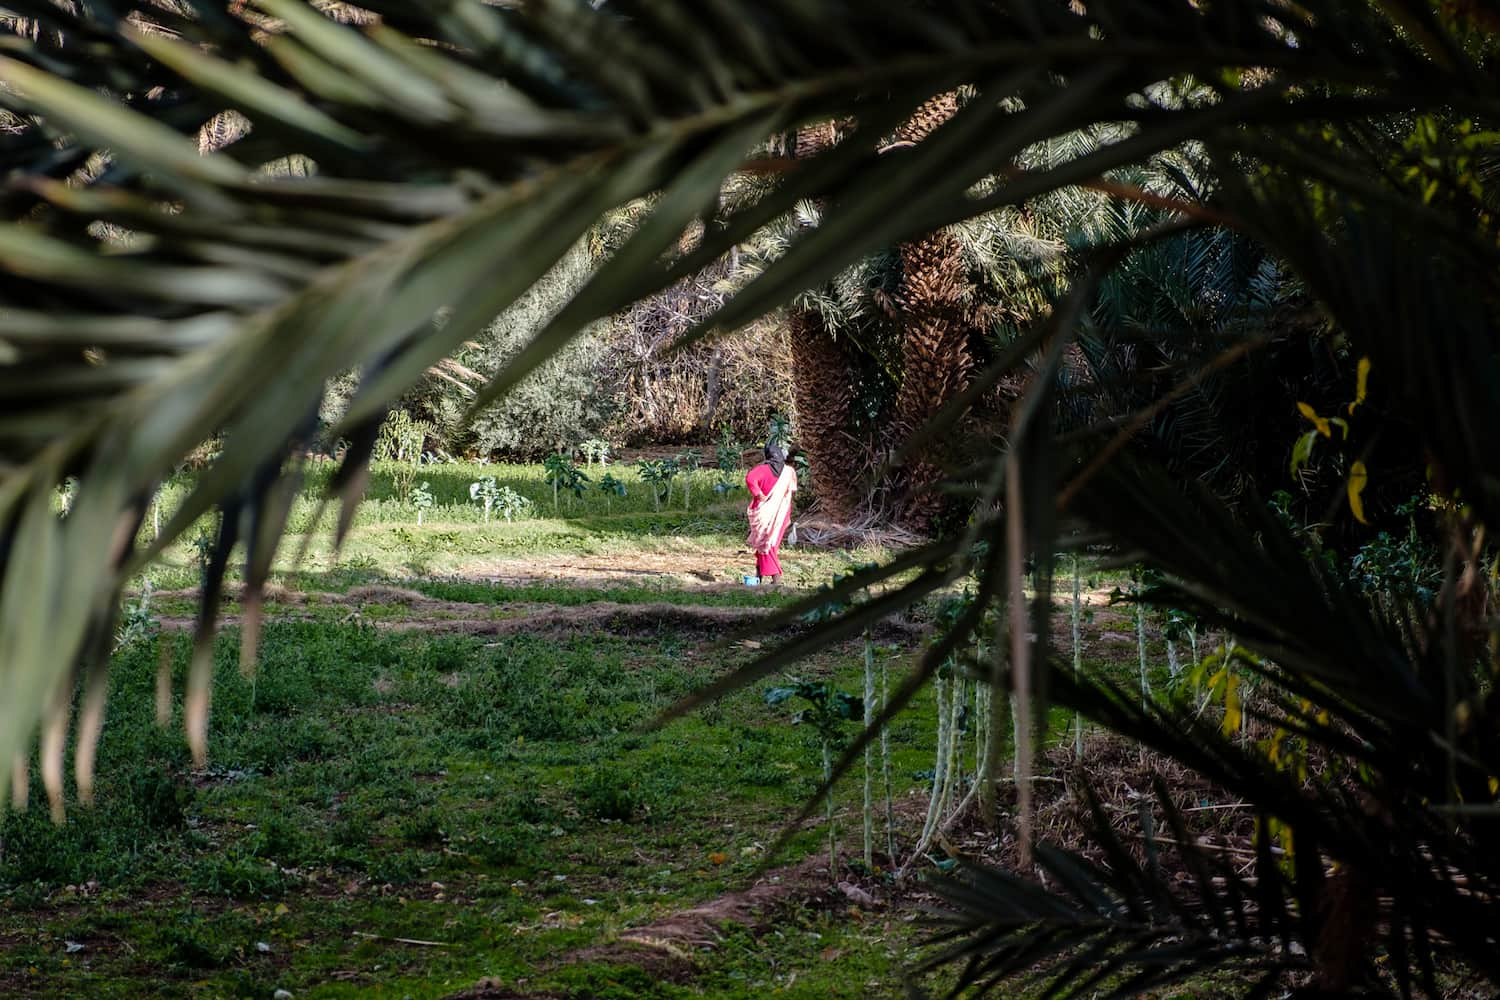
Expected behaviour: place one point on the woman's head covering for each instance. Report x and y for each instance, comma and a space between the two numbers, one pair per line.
776, 456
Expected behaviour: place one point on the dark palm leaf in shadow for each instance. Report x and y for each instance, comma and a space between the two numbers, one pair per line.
1115, 929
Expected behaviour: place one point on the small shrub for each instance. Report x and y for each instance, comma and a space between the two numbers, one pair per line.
727, 452
609, 793
421, 500
504, 848
237, 875
595, 450
527, 809
512, 505
422, 828
159, 799
484, 492
190, 940
398, 868
279, 839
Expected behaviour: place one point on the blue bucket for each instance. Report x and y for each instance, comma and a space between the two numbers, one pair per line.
752, 581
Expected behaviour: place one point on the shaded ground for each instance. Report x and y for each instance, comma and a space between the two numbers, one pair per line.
388, 813
685, 570
402, 609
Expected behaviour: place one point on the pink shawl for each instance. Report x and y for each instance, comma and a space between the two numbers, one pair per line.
769, 518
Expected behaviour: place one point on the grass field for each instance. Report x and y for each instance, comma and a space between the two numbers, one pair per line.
445, 774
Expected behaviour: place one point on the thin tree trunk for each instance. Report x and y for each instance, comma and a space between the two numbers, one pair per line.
833, 844
714, 389
1077, 660
1140, 639
989, 757
954, 778
885, 767
869, 721
934, 803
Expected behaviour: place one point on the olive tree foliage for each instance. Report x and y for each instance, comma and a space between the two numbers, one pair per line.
556, 407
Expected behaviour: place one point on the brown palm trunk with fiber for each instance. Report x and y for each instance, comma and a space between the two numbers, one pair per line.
935, 355
823, 393
823, 388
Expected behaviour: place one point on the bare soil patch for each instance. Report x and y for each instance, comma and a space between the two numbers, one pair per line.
688, 570
437, 617
671, 946
450, 618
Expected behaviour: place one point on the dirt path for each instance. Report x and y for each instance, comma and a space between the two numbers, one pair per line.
672, 946
713, 569
434, 616
449, 618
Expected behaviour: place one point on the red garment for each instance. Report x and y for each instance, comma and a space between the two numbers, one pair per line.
759, 482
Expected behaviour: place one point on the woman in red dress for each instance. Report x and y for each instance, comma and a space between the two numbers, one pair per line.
771, 485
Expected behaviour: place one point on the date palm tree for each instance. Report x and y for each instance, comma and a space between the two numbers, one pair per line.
933, 302
823, 383
152, 296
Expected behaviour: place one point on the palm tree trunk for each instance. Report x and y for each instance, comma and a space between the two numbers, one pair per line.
935, 355
823, 385
823, 392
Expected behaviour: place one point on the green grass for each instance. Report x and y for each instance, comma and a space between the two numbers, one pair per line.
504, 797
386, 543
360, 770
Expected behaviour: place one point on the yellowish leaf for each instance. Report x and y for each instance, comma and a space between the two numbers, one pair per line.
1361, 382
1359, 477
718, 857
1232, 714
1321, 423
1495, 786
1216, 680
1302, 450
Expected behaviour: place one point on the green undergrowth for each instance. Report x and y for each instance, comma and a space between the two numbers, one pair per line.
672, 547
507, 802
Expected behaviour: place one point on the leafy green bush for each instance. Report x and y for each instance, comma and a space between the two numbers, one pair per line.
609, 793
279, 839
422, 828
158, 799
557, 406
399, 868
504, 847
237, 875
193, 941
